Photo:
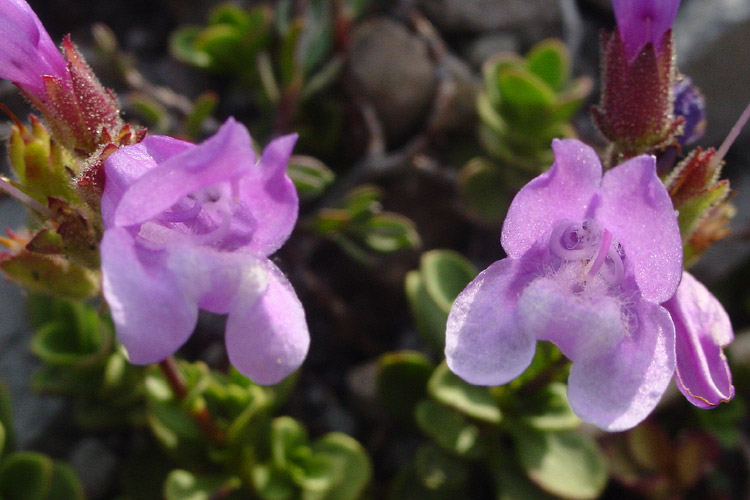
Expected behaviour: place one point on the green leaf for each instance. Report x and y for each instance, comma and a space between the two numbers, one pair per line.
290, 66
448, 428
570, 101
352, 463
362, 201
221, 43
175, 430
65, 485
491, 73
389, 232
311, 176
323, 78
286, 436
695, 208
527, 101
445, 273
471, 400
249, 425
316, 39
6, 421
155, 115
402, 381
563, 463
272, 484
725, 421
548, 409
484, 190
523, 89
233, 15
203, 107
430, 319
184, 485
25, 476
550, 61
313, 473
74, 337
182, 47
513, 485
437, 470
33, 476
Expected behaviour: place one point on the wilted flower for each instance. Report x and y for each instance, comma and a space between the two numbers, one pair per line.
590, 260
703, 328
641, 22
191, 226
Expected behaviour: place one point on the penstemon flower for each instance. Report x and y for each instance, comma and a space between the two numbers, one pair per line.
28, 53
590, 260
81, 113
641, 22
638, 66
191, 226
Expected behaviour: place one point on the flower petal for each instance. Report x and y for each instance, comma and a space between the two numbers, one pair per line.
153, 317
583, 325
563, 192
617, 391
483, 343
266, 334
126, 165
636, 208
271, 196
702, 329
643, 21
225, 155
27, 52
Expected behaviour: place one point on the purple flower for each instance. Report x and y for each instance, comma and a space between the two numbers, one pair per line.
191, 226
27, 52
703, 328
590, 258
689, 104
644, 21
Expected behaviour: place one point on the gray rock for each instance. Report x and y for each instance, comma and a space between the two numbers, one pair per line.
712, 38
486, 46
32, 413
393, 69
493, 15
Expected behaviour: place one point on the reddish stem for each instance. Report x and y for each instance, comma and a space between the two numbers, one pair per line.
179, 387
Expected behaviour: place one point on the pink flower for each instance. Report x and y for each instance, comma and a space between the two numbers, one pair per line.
703, 330
641, 22
27, 52
191, 226
590, 260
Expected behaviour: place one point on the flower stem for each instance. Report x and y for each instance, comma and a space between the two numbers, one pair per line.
201, 416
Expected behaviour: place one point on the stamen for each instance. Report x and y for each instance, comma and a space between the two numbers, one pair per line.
736, 129
216, 234
182, 215
602, 254
618, 271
